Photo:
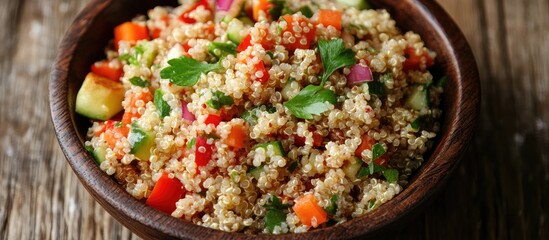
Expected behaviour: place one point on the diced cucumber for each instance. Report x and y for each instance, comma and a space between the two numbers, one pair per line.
141, 143
99, 98
276, 146
235, 31
149, 53
359, 4
99, 154
256, 171
418, 98
220, 50
352, 167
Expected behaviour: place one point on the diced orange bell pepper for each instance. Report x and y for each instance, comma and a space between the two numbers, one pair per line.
302, 39
236, 137
309, 212
330, 18
130, 32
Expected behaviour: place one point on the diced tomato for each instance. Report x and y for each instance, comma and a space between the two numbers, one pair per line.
130, 32
165, 194
368, 143
236, 137
317, 140
302, 39
306, 208
261, 6
155, 32
131, 108
203, 152
246, 42
108, 69
184, 17
213, 119
415, 62
330, 18
260, 68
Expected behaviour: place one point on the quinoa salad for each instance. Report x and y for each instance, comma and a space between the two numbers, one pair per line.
262, 116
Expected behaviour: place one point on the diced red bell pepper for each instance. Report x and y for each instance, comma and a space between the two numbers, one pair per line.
368, 143
413, 60
184, 17
166, 193
317, 140
213, 119
108, 69
203, 152
246, 42
260, 68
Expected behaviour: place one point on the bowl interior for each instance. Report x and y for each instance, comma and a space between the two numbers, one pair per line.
91, 32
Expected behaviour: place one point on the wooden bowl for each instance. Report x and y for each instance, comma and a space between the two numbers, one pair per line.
90, 33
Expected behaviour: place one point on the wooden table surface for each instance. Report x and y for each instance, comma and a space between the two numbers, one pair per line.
499, 191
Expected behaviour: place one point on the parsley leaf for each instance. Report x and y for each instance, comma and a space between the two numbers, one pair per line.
162, 106
275, 214
332, 208
374, 168
312, 100
185, 71
219, 99
371, 204
140, 82
334, 56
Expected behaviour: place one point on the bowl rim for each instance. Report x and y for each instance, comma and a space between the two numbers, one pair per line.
151, 223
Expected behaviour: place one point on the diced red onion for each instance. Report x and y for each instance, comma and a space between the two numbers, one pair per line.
186, 114
223, 5
359, 74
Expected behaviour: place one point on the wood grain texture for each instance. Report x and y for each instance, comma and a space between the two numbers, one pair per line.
499, 191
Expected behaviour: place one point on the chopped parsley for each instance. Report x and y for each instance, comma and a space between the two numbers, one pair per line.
371, 204
219, 99
391, 175
118, 124
186, 71
140, 82
332, 208
162, 106
277, 9
292, 166
191, 143
306, 11
252, 115
275, 214
418, 122
312, 100
377, 151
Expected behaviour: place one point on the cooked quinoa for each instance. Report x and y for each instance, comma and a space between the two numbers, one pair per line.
230, 143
